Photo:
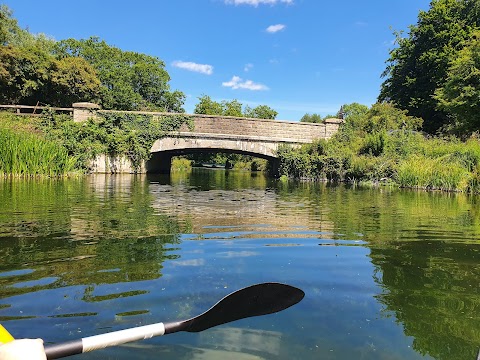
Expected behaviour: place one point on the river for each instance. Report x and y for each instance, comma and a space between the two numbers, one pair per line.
388, 274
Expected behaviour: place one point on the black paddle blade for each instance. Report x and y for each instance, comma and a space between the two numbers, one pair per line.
255, 300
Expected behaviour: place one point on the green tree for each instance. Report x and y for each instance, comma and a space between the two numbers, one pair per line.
24, 74
207, 106
232, 108
260, 112
130, 81
311, 118
12, 34
8, 25
72, 79
418, 66
460, 95
29, 75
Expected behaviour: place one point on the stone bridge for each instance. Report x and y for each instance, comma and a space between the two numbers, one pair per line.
211, 133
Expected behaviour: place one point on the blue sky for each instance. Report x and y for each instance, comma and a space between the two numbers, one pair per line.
296, 56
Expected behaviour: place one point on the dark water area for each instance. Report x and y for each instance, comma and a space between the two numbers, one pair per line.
388, 274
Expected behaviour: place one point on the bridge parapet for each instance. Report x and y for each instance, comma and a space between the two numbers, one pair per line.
229, 125
273, 129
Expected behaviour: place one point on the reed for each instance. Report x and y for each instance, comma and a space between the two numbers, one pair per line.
24, 154
443, 173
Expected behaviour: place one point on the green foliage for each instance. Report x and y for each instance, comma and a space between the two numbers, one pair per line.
8, 25
428, 173
419, 65
113, 133
72, 79
260, 112
130, 80
207, 106
373, 144
381, 144
181, 164
460, 94
24, 154
35, 68
311, 118
24, 74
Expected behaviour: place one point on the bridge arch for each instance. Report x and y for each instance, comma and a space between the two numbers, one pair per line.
188, 143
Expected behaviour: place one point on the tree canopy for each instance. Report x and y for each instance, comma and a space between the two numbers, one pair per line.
460, 94
130, 80
35, 68
207, 106
419, 65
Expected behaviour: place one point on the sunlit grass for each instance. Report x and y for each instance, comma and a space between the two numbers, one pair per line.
24, 153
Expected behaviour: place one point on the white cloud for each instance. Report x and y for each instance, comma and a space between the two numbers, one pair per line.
239, 83
258, 2
191, 66
248, 67
272, 29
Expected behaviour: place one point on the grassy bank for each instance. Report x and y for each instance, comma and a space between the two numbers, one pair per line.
54, 145
383, 145
25, 152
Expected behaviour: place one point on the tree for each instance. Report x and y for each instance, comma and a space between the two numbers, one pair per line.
232, 108
12, 34
418, 66
130, 81
29, 75
260, 112
72, 79
24, 75
8, 25
460, 95
207, 106
311, 118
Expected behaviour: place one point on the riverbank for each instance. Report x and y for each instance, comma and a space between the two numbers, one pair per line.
379, 146
383, 145
26, 152
36, 146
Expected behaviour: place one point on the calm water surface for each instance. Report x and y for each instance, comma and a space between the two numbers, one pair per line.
388, 274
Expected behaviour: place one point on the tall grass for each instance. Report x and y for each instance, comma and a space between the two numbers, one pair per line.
27, 154
429, 173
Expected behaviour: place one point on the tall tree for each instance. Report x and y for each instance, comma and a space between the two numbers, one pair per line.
460, 95
417, 67
72, 79
130, 80
24, 75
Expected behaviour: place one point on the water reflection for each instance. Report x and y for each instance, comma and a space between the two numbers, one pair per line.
388, 274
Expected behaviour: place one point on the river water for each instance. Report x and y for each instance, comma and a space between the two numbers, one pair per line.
388, 274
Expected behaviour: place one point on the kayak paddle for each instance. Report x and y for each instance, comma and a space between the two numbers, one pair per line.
255, 300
